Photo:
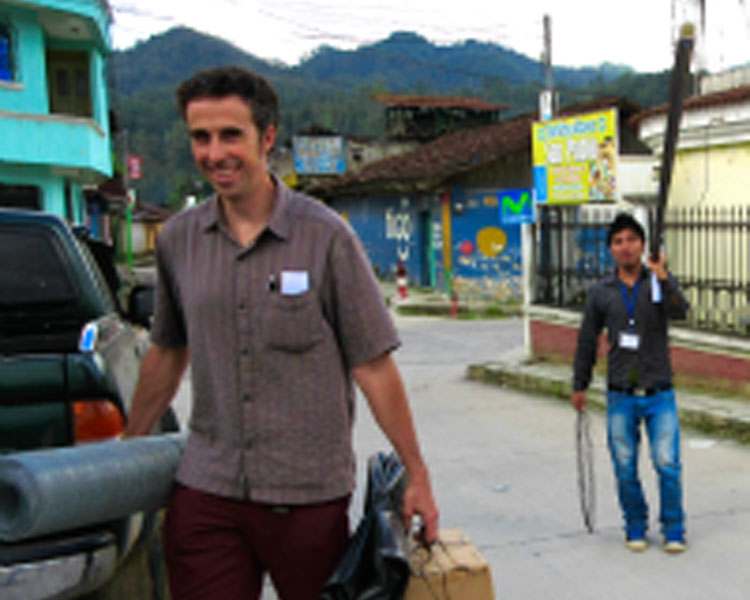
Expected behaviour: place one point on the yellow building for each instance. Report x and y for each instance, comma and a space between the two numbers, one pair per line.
712, 159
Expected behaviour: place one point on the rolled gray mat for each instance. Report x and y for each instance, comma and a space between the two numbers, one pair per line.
46, 491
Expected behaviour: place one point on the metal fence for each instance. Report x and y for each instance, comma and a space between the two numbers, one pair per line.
571, 253
708, 250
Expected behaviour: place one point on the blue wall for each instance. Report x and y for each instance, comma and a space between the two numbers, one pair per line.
486, 256
391, 229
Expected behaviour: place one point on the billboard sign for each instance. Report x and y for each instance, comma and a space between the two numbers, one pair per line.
319, 155
575, 159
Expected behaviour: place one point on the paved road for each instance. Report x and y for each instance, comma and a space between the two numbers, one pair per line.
504, 470
503, 467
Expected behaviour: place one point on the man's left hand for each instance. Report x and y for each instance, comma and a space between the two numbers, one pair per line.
659, 267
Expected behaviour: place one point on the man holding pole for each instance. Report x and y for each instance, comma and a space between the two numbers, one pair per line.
634, 303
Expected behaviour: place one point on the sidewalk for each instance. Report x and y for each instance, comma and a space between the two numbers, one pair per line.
422, 301
717, 416
720, 416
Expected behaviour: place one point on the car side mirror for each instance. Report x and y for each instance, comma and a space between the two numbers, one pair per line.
141, 305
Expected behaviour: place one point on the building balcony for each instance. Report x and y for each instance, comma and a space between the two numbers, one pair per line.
55, 141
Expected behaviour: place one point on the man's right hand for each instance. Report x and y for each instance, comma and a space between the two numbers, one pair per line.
578, 400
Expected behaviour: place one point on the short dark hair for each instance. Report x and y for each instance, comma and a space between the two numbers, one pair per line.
625, 221
221, 82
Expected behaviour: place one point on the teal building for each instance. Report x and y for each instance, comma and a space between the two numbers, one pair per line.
54, 110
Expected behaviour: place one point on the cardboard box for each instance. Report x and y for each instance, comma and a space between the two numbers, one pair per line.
453, 570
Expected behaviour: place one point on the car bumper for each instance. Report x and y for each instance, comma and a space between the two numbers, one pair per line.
58, 569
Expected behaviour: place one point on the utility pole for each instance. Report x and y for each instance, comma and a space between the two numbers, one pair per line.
546, 112
129, 204
547, 97
548, 52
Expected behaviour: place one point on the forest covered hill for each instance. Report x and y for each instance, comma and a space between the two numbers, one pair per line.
333, 88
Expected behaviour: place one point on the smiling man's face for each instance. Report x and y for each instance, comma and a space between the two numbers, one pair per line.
227, 147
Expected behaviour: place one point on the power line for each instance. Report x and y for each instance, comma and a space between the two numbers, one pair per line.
333, 17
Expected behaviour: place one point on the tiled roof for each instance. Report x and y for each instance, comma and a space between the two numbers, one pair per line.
448, 155
454, 153
733, 96
419, 101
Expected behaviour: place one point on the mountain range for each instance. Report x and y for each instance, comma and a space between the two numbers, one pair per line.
333, 88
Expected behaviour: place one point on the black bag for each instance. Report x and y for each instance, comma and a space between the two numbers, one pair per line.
375, 566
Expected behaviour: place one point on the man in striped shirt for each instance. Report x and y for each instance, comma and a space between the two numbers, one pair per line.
270, 298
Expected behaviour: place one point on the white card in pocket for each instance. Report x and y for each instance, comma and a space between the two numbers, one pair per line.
294, 283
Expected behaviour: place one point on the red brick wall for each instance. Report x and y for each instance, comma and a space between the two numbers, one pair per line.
696, 363
551, 339
559, 341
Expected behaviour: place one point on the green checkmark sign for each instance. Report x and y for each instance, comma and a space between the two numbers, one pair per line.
515, 206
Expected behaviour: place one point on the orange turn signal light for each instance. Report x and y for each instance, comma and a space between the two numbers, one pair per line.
96, 420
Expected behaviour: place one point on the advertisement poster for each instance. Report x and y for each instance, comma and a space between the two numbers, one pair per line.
319, 155
575, 159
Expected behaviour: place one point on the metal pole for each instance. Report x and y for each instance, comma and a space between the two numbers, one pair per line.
527, 240
129, 233
130, 202
677, 87
548, 53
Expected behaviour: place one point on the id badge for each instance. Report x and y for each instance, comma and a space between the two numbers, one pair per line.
629, 341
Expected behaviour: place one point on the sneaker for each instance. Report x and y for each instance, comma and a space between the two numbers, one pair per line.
675, 546
635, 537
636, 544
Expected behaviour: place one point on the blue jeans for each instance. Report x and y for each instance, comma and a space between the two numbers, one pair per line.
624, 415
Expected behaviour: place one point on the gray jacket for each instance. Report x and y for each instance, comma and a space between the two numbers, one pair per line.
606, 307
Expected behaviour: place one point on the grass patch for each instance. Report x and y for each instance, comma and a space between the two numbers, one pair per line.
465, 312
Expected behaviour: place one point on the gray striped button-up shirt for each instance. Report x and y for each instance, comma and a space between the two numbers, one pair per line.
273, 330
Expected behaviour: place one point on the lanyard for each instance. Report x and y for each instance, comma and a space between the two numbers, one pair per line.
630, 301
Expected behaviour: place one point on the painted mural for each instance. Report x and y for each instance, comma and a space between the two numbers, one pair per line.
486, 255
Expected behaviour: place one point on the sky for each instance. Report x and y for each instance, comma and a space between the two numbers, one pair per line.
637, 33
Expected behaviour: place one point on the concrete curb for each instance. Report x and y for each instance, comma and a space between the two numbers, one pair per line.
719, 417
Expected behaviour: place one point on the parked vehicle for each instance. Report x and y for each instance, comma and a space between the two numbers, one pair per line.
69, 361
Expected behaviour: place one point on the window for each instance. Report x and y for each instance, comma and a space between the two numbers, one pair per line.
39, 300
33, 268
20, 196
69, 82
6, 53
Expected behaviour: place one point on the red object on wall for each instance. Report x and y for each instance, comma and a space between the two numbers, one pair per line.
401, 280
467, 248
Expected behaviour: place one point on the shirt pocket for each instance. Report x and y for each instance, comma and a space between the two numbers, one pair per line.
293, 323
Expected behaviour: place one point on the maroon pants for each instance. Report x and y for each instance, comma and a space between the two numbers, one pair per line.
219, 548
